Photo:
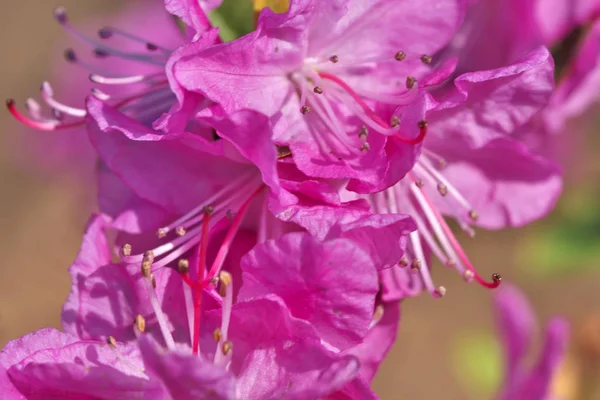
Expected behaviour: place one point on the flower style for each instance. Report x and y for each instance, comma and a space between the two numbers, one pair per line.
516, 324
471, 170
340, 77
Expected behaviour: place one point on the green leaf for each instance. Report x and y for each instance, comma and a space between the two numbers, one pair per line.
234, 18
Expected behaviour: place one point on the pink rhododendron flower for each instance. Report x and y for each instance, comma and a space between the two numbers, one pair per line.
471, 170
339, 78
516, 325
262, 327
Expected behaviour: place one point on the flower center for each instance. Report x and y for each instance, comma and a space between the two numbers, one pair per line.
187, 232
321, 90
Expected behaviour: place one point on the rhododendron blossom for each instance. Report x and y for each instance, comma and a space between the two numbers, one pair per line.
339, 77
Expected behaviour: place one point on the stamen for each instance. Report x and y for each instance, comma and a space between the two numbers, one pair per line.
183, 266
48, 96
217, 335
410, 82
111, 341
305, 110
43, 125
334, 59
400, 56
318, 90
140, 323
438, 223
370, 114
126, 250
426, 59
226, 291
403, 262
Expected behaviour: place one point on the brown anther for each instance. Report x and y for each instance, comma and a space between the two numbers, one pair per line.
214, 280
443, 189
208, 210
415, 265
410, 82
450, 263
140, 323
334, 59
365, 147
146, 268
426, 59
283, 151
420, 183
153, 281
318, 90
496, 278
161, 233
217, 335
227, 347
440, 291
378, 313
111, 341
126, 250
473, 215
395, 121
442, 163
422, 124
363, 133
403, 262
468, 276
180, 231
183, 266
305, 110
399, 56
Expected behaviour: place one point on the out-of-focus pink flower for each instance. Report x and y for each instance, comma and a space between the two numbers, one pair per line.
516, 325
332, 74
264, 327
139, 37
498, 32
471, 170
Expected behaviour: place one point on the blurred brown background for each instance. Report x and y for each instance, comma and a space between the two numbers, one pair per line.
42, 217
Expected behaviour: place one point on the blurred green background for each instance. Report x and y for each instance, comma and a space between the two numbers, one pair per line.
446, 348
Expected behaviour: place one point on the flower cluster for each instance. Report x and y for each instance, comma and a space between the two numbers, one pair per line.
265, 203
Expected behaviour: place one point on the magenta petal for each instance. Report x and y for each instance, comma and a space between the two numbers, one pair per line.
503, 181
102, 298
193, 12
127, 211
489, 103
378, 342
8, 389
48, 364
516, 324
332, 285
187, 376
272, 349
539, 382
162, 169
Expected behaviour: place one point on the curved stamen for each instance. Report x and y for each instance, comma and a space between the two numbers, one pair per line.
48, 96
369, 112
439, 219
43, 125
